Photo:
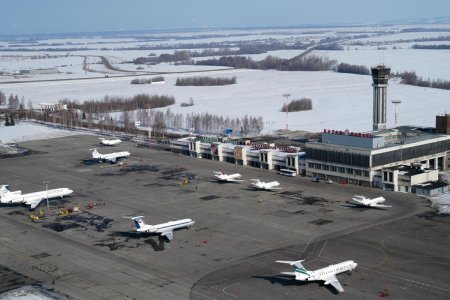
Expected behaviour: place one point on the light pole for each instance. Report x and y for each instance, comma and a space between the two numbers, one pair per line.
46, 190
149, 118
286, 108
396, 102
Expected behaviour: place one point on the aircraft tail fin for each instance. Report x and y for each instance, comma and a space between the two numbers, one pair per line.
4, 190
138, 222
299, 270
95, 153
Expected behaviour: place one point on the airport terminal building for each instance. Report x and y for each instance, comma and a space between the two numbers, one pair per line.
242, 152
368, 159
398, 159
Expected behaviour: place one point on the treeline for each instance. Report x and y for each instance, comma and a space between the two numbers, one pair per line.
330, 47
298, 105
298, 63
208, 123
199, 122
2, 98
147, 80
205, 81
186, 55
411, 78
353, 69
7, 49
114, 103
431, 47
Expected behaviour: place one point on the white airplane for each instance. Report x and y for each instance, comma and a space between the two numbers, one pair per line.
327, 274
227, 178
375, 202
32, 199
111, 142
164, 229
442, 208
111, 157
268, 186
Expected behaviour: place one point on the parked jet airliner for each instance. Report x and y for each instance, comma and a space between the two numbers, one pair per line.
327, 274
111, 157
164, 229
32, 199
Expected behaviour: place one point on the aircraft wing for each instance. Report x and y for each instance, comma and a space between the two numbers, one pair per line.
167, 233
331, 279
33, 203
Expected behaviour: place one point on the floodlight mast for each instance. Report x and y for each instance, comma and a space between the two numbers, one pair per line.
46, 190
396, 103
286, 109
149, 117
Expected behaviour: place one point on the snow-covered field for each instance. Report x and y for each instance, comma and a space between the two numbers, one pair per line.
29, 292
340, 101
25, 131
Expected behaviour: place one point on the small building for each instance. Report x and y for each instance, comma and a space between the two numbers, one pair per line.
404, 178
48, 106
39, 71
431, 188
443, 124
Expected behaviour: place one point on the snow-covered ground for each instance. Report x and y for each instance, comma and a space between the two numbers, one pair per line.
340, 101
25, 131
29, 292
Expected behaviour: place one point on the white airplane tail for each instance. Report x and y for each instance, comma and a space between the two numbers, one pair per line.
95, 153
299, 270
4, 190
138, 222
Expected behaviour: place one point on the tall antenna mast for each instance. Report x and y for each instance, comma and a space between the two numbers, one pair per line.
396, 103
286, 109
149, 119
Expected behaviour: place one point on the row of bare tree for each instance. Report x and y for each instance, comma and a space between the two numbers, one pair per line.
115, 103
298, 105
205, 81
298, 63
197, 122
411, 78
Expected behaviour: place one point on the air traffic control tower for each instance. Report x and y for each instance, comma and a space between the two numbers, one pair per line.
380, 76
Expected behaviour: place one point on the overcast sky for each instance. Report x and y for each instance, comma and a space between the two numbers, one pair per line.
59, 16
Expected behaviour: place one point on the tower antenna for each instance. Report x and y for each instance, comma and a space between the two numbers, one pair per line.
396, 103
287, 111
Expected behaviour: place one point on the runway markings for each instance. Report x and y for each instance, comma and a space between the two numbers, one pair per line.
231, 285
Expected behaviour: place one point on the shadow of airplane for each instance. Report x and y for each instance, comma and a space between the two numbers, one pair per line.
361, 207
285, 280
148, 238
